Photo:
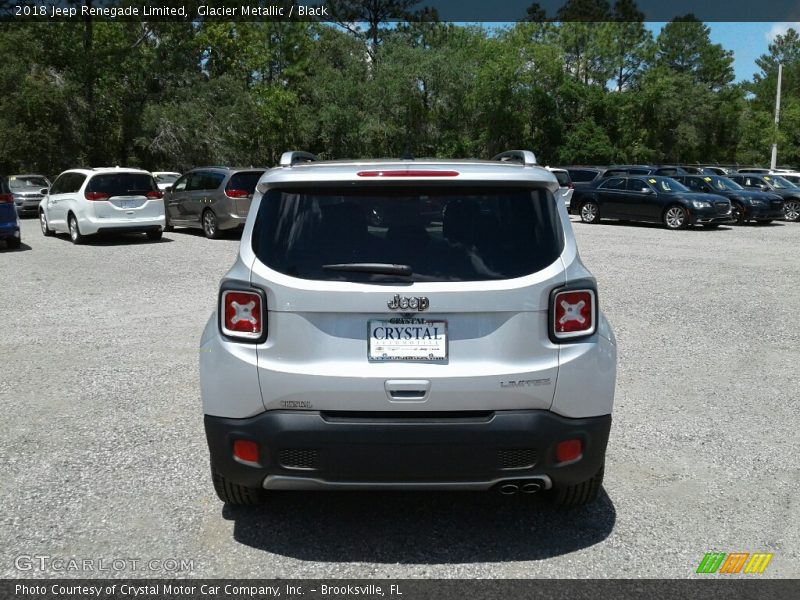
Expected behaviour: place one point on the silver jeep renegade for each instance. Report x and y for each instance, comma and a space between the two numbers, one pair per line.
408, 324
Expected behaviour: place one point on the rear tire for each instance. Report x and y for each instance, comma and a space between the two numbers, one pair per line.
155, 236
167, 225
46, 231
590, 212
210, 224
235, 494
580, 494
675, 217
74, 231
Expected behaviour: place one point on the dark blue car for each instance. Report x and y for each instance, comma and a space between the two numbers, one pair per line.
9, 221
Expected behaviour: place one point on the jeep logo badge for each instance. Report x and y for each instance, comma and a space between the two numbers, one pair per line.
403, 303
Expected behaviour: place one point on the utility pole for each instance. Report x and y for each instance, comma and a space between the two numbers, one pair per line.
773, 163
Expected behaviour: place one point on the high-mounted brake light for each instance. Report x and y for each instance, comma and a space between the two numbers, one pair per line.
6, 198
573, 314
242, 315
404, 173
154, 195
96, 196
237, 193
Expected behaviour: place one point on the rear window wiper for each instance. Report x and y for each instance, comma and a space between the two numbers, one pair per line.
377, 268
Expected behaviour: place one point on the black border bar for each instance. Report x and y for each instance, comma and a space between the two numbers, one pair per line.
436, 10
752, 587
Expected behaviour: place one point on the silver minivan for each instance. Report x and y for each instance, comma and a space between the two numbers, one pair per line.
408, 324
216, 199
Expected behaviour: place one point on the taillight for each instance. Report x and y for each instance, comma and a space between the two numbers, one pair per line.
242, 315
154, 195
237, 193
6, 198
96, 196
573, 314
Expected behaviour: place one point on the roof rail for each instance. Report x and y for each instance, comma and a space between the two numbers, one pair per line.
289, 159
526, 157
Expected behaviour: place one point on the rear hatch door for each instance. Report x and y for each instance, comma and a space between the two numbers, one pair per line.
407, 298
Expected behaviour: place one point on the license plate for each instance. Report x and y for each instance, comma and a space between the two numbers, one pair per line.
407, 339
128, 204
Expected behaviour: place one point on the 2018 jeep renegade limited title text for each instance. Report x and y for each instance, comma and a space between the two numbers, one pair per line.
408, 325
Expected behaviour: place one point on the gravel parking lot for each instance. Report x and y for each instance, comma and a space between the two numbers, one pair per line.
102, 450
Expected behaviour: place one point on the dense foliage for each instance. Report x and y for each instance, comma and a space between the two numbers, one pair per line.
174, 95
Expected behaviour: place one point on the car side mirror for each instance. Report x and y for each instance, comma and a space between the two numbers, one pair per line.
648, 190
44, 191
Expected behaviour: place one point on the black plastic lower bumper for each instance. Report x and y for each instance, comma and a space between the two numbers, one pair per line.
129, 229
407, 447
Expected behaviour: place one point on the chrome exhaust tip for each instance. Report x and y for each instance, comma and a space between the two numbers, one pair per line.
531, 487
508, 489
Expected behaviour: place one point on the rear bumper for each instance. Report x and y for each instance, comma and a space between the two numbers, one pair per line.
230, 221
132, 225
310, 449
9, 231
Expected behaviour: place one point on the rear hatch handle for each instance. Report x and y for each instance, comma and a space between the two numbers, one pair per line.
407, 390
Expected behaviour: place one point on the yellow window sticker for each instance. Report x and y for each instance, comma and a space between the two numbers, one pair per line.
766, 177
652, 180
707, 178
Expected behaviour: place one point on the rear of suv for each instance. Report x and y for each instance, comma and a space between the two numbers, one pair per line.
455, 342
86, 202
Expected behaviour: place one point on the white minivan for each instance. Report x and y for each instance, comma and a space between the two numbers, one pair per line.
408, 324
84, 202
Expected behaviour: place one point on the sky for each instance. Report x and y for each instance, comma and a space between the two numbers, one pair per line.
747, 40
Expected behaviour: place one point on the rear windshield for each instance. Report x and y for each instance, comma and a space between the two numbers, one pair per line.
582, 175
563, 178
122, 184
167, 177
246, 180
27, 183
444, 234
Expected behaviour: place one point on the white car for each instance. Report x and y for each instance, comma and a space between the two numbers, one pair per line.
565, 188
84, 202
165, 179
404, 324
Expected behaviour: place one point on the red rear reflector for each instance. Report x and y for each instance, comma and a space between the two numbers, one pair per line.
574, 313
96, 196
245, 450
414, 173
6, 198
154, 195
569, 450
237, 193
242, 316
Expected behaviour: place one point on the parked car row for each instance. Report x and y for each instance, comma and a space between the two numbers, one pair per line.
677, 198
86, 202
